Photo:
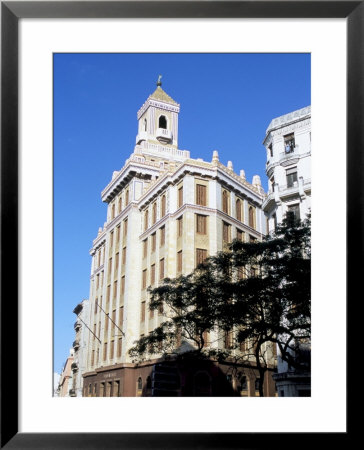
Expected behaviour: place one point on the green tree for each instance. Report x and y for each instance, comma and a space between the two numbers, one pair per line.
257, 292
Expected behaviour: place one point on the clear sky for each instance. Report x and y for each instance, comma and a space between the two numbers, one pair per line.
227, 102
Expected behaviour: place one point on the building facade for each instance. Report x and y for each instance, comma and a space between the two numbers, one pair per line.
80, 343
288, 168
66, 379
166, 213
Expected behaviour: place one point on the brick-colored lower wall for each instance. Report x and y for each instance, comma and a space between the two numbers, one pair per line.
220, 380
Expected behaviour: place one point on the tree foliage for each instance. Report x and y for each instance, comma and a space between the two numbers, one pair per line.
259, 292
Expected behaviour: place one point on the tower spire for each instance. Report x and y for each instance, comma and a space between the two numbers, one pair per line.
159, 83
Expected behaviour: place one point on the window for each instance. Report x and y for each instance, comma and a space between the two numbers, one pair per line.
125, 227
96, 303
152, 274
179, 261
162, 122
272, 183
225, 202
239, 235
117, 234
291, 176
102, 389
201, 224
94, 335
154, 241
228, 339
154, 213
93, 357
97, 281
105, 351
123, 260
293, 212
113, 211
146, 220
257, 384
205, 336
252, 217
122, 285
239, 215
163, 206
201, 197
161, 269
121, 317
162, 236
120, 204
106, 325
116, 390
270, 148
225, 232
140, 384
115, 290
252, 239
145, 124
111, 239
289, 143
144, 279
180, 196
108, 295
142, 312
179, 226
201, 255
145, 248
127, 197
112, 350
243, 383
116, 263
120, 342
151, 313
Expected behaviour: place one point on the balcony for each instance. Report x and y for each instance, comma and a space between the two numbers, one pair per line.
77, 326
76, 345
142, 136
74, 367
163, 135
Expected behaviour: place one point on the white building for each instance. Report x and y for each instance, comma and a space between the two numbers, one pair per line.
288, 168
166, 213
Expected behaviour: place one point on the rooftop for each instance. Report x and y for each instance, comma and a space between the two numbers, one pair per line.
288, 118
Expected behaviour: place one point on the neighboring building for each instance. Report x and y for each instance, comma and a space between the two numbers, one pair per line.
80, 347
288, 168
66, 379
166, 213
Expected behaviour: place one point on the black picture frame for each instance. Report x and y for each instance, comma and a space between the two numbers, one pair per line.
11, 12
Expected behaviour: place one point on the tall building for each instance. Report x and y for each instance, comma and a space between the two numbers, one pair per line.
288, 168
166, 213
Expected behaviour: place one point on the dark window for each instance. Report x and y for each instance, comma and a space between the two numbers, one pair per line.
291, 176
162, 122
140, 384
289, 143
293, 212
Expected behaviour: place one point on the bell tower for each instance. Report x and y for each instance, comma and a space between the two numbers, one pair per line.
158, 119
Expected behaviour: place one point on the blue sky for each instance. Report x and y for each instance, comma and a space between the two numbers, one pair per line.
227, 102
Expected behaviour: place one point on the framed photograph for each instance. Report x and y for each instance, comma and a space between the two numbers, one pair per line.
36, 40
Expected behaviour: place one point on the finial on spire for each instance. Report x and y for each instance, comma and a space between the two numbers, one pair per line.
159, 83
